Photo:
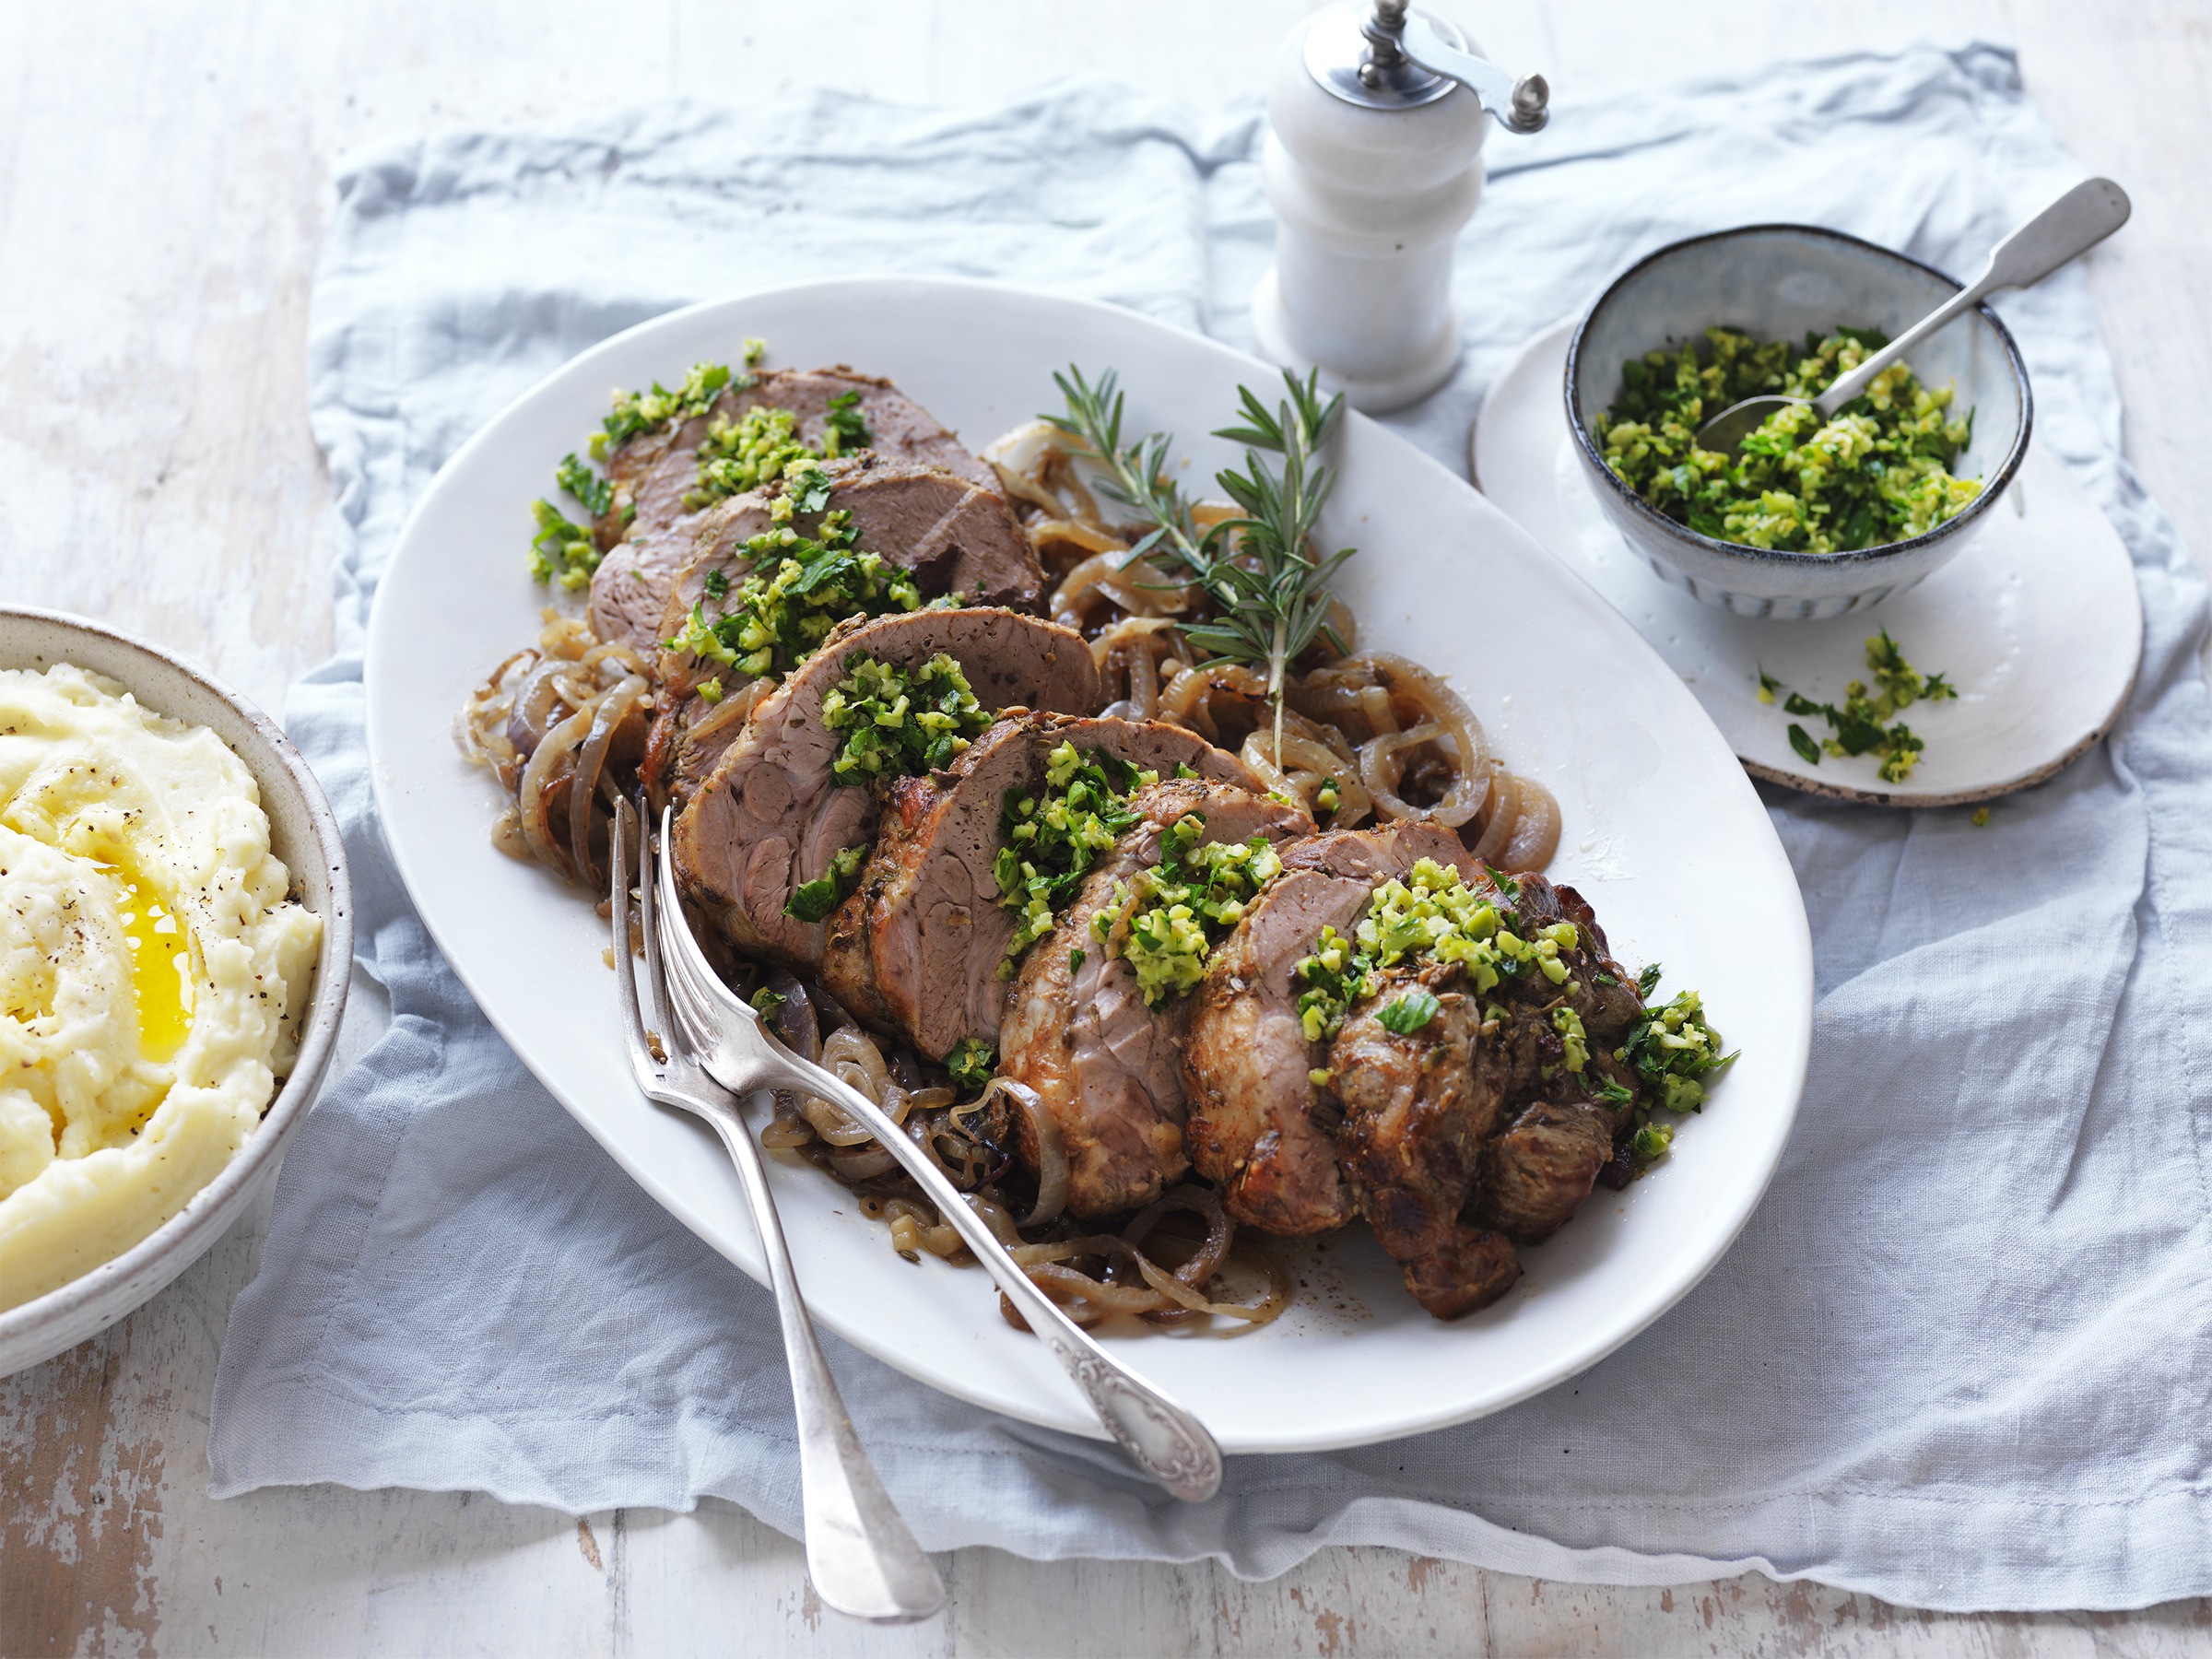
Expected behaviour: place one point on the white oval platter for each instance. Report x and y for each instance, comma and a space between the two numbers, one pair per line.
1658, 818
2038, 622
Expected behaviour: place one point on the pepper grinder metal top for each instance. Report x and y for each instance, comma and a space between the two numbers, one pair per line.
1372, 164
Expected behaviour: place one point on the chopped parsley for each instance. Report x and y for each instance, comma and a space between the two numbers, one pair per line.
1050, 840
1164, 921
1610, 1092
812, 900
1408, 1014
1865, 723
844, 428
766, 1002
636, 413
1670, 1049
900, 721
972, 1062
561, 548
1878, 472
595, 493
802, 587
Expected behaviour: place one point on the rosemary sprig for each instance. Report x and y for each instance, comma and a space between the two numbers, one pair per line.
1136, 475
1270, 595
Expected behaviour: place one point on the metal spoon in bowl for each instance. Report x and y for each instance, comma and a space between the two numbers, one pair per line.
2073, 224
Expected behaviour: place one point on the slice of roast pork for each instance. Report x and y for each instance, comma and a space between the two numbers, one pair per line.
917, 946
1077, 1029
953, 535
655, 471
1418, 1107
1259, 1129
768, 819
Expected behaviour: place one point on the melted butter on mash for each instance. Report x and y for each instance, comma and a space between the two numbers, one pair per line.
152, 972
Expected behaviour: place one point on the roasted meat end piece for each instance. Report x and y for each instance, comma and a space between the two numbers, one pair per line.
1258, 1127
655, 471
1536, 1174
918, 946
770, 819
1417, 1106
1076, 1028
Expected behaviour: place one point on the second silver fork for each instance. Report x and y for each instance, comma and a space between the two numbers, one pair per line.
860, 1555
734, 1044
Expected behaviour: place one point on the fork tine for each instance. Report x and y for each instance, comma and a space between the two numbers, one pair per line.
656, 978
679, 950
625, 981
669, 936
702, 995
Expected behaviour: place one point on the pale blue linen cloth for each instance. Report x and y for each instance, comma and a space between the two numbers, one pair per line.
1960, 1357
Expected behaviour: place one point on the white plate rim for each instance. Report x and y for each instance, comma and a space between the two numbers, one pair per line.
1791, 953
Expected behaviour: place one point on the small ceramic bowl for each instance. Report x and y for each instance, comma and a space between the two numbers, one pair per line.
1779, 282
304, 834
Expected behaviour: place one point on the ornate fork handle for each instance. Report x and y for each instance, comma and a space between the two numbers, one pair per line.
737, 1050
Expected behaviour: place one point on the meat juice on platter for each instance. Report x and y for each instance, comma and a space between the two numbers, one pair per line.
1067, 817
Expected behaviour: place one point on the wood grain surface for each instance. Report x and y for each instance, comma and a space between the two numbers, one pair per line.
163, 184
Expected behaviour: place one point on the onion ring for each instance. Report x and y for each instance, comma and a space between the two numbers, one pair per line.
1505, 812
1052, 1151
1536, 829
537, 777
613, 708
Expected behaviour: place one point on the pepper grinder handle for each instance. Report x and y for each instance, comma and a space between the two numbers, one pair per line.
1372, 164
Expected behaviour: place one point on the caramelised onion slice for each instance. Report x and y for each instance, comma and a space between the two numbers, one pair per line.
557, 745
613, 708
1052, 1152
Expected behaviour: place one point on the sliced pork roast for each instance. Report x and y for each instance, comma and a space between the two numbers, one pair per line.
918, 944
1077, 1029
1418, 1107
1259, 1129
768, 818
649, 533
952, 535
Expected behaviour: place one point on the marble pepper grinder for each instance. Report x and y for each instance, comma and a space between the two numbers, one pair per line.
1373, 161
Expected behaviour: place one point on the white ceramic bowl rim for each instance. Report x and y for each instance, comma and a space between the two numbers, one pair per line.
319, 1029
1992, 487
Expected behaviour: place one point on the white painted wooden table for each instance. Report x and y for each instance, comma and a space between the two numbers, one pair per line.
163, 182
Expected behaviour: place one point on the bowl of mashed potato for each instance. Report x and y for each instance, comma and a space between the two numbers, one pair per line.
175, 938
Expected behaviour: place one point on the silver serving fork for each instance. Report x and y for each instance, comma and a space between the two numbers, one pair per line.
735, 1046
861, 1557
